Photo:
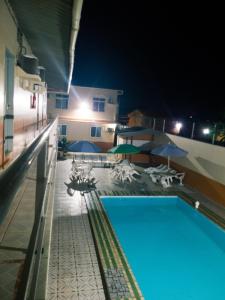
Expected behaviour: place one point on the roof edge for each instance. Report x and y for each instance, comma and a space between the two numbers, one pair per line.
76, 15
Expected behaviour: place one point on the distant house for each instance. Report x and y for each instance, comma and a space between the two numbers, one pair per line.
87, 113
139, 118
146, 119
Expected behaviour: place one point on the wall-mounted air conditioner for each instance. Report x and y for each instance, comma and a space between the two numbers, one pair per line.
29, 63
110, 130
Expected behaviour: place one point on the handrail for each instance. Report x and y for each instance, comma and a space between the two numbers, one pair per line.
11, 178
10, 182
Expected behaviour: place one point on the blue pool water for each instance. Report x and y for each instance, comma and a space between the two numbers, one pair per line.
175, 252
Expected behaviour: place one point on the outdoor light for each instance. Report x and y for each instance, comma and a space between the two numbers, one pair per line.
206, 131
112, 125
178, 126
84, 111
84, 106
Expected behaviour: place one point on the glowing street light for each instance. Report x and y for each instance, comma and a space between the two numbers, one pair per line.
178, 127
206, 131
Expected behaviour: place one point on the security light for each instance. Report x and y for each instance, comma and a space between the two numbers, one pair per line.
84, 106
178, 126
206, 131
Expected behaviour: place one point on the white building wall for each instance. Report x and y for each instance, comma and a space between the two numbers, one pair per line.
82, 131
79, 121
79, 95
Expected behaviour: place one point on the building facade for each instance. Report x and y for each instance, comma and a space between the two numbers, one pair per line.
87, 113
23, 98
31, 55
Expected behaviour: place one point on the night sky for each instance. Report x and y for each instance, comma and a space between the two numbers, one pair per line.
169, 58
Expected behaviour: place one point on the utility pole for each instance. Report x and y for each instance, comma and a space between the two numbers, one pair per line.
193, 129
214, 134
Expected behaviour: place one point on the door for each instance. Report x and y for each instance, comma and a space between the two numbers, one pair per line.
8, 107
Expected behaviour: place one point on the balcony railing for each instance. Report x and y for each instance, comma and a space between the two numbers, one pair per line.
43, 151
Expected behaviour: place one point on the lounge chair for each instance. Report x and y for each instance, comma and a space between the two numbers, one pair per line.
151, 169
164, 170
155, 178
124, 172
166, 181
179, 177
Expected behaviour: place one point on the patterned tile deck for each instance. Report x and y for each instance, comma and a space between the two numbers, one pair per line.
73, 270
14, 237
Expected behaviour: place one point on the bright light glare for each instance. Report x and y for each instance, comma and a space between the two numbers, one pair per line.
206, 131
84, 111
112, 125
178, 126
84, 106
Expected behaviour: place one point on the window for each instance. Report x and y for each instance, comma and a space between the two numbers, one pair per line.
61, 101
96, 131
62, 129
98, 104
110, 100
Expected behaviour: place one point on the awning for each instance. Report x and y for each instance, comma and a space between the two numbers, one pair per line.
51, 29
146, 131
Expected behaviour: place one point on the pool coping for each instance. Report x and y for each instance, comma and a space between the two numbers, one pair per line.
119, 280
186, 197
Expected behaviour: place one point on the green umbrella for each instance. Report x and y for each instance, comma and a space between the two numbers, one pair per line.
124, 149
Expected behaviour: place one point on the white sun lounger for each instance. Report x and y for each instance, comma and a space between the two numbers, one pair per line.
124, 173
179, 177
152, 169
167, 177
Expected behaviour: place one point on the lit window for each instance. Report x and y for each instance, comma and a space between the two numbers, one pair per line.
62, 129
96, 131
98, 104
61, 101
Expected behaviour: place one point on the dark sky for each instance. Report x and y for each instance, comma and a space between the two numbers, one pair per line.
169, 58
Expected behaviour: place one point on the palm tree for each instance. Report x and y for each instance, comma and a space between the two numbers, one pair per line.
220, 134
220, 137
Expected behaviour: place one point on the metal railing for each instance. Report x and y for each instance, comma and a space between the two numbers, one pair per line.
44, 151
204, 131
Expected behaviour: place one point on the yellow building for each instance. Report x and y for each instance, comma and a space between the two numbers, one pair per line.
87, 113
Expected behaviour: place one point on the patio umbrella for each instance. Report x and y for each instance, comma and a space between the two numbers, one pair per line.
83, 146
169, 150
148, 146
124, 149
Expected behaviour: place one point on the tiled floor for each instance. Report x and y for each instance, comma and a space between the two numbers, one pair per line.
73, 271
14, 237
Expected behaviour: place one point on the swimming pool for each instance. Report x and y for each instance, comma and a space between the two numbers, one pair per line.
175, 252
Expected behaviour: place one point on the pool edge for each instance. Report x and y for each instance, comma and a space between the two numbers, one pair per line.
119, 279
